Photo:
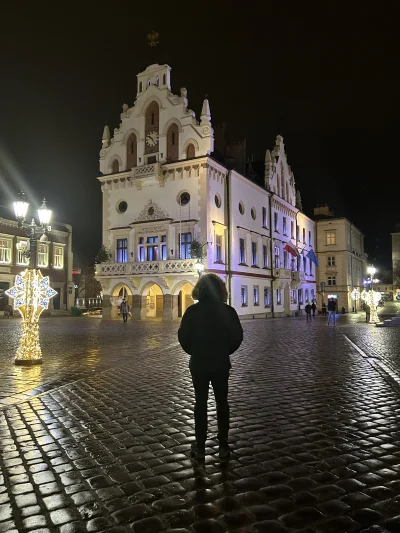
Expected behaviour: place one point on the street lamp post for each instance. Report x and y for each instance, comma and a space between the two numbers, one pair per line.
32, 291
372, 303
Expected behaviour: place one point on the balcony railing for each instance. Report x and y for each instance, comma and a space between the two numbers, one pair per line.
298, 276
147, 268
153, 169
282, 273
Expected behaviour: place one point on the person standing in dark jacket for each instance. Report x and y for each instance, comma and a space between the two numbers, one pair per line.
332, 311
313, 308
210, 332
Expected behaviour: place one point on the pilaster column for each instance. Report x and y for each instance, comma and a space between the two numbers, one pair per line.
170, 307
138, 307
106, 306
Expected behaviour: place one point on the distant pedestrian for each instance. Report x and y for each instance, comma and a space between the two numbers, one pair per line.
210, 332
308, 308
124, 309
313, 309
324, 309
332, 311
367, 310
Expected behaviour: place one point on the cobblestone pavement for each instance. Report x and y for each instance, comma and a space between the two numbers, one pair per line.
315, 433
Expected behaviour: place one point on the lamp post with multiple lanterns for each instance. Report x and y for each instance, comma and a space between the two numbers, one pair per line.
32, 291
372, 297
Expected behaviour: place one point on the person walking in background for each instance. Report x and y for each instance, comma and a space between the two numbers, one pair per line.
313, 308
324, 309
367, 309
210, 332
308, 311
332, 311
124, 309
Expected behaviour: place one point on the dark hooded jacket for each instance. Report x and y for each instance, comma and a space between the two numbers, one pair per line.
210, 331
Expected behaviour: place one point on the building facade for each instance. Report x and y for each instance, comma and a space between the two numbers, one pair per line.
54, 259
163, 189
341, 257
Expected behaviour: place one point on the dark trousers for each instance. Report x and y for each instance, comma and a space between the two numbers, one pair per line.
125, 317
367, 317
219, 381
308, 317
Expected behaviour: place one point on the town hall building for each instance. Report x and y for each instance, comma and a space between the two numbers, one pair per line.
164, 188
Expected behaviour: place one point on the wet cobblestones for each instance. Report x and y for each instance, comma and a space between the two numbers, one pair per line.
315, 433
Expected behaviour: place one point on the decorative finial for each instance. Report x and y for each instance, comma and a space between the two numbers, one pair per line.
152, 38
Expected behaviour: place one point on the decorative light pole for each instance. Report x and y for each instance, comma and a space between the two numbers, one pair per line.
32, 291
355, 295
372, 298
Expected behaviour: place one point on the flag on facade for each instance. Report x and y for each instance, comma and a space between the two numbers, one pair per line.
311, 255
291, 249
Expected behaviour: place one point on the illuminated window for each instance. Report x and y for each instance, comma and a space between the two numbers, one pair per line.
265, 256
122, 250
218, 248
277, 258
285, 259
284, 226
294, 295
256, 295
264, 217
267, 297
331, 238
58, 256
300, 294
21, 257
243, 295
306, 294
279, 296
242, 252
254, 254
43, 254
163, 248
186, 244
5, 250
276, 221
152, 248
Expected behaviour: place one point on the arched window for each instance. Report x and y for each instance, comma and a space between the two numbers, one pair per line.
164, 79
140, 87
115, 166
173, 142
151, 126
157, 81
131, 151
148, 83
190, 151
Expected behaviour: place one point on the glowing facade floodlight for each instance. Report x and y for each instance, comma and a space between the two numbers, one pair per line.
44, 214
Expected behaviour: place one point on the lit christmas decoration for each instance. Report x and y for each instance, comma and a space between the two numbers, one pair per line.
372, 298
355, 294
31, 294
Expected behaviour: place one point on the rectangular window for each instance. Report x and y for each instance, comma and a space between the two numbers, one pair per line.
305, 264
330, 238
267, 297
306, 294
242, 252
265, 256
284, 226
310, 264
285, 259
256, 295
292, 229
264, 217
300, 294
312, 294
331, 261
277, 258
309, 238
254, 253
243, 296
141, 250
152, 248
218, 248
186, 240
331, 280
5, 250
43, 254
163, 248
58, 256
279, 296
276, 221
294, 296
122, 250
304, 236
298, 233
21, 257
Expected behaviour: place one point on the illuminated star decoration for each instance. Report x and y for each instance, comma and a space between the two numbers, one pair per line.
31, 294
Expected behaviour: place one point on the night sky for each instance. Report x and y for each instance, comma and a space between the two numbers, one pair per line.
326, 81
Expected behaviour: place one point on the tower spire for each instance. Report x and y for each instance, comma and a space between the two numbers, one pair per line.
205, 116
106, 140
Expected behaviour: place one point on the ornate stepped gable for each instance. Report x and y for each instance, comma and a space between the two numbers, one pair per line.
151, 211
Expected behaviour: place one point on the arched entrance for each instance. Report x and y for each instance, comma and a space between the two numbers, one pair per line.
119, 293
185, 299
154, 301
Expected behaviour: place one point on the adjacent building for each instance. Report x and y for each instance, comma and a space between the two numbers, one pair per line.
54, 259
165, 189
341, 257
